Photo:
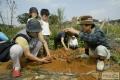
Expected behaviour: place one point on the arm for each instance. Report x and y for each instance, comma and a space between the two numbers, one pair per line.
95, 37
30, 56
72, 30
24, 44
62, 41
68, 44
41, 38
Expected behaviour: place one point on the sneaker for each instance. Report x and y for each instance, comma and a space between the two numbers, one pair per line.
100, 65
16, 73
84, 56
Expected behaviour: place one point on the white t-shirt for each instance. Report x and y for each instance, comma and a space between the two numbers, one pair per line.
73, 42
45, 27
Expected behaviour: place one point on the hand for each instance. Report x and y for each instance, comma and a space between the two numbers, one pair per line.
72, 30
66, 49
48, 55
68, 29
44, 60
49, 58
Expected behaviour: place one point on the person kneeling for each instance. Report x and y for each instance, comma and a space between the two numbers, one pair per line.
31, 40
94, 39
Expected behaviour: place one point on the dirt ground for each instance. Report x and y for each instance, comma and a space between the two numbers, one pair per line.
69, 62
66, 65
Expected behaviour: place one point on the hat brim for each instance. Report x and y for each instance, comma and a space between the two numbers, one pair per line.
86, 22
37, 30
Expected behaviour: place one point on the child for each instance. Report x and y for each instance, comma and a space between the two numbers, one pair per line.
10, 50
61, 38
33, 13
64, 38
73, 42
45, 25
94, 39
31, 39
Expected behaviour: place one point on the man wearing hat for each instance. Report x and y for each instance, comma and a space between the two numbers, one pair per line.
94, 39
31, 40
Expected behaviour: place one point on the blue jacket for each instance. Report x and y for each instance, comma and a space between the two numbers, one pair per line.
95, 38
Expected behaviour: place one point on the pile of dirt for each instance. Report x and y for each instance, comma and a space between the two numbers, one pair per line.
69, 61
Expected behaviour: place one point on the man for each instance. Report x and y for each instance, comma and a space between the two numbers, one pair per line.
94, 39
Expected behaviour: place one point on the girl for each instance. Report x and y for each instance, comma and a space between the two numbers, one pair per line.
33, 13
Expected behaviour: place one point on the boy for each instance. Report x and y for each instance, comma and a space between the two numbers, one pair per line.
31, 39
73, 42
66, 39
94, 39
45, 25
61, 38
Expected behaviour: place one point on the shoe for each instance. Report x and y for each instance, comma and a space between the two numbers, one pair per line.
100, 65
84, 56
16, 73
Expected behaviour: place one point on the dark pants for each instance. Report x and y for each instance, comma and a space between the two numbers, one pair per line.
86, 49
56, 43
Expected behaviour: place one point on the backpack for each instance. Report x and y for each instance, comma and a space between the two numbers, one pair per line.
21, 35
5, 51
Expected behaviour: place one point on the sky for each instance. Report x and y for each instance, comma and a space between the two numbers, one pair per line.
99, 9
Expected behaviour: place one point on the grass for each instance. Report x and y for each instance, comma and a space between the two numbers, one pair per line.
10, 32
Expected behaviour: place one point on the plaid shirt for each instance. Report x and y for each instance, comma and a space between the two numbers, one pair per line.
95, 38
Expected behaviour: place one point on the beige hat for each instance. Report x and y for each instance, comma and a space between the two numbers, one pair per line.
86, 20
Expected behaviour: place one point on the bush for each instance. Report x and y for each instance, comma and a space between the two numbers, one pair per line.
10, 32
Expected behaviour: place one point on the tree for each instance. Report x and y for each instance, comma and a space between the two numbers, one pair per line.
60, 13
12, 6
23, 18
2, 18
53, 19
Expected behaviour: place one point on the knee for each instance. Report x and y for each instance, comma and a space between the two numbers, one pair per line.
102, 52
16, 50
100, 47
